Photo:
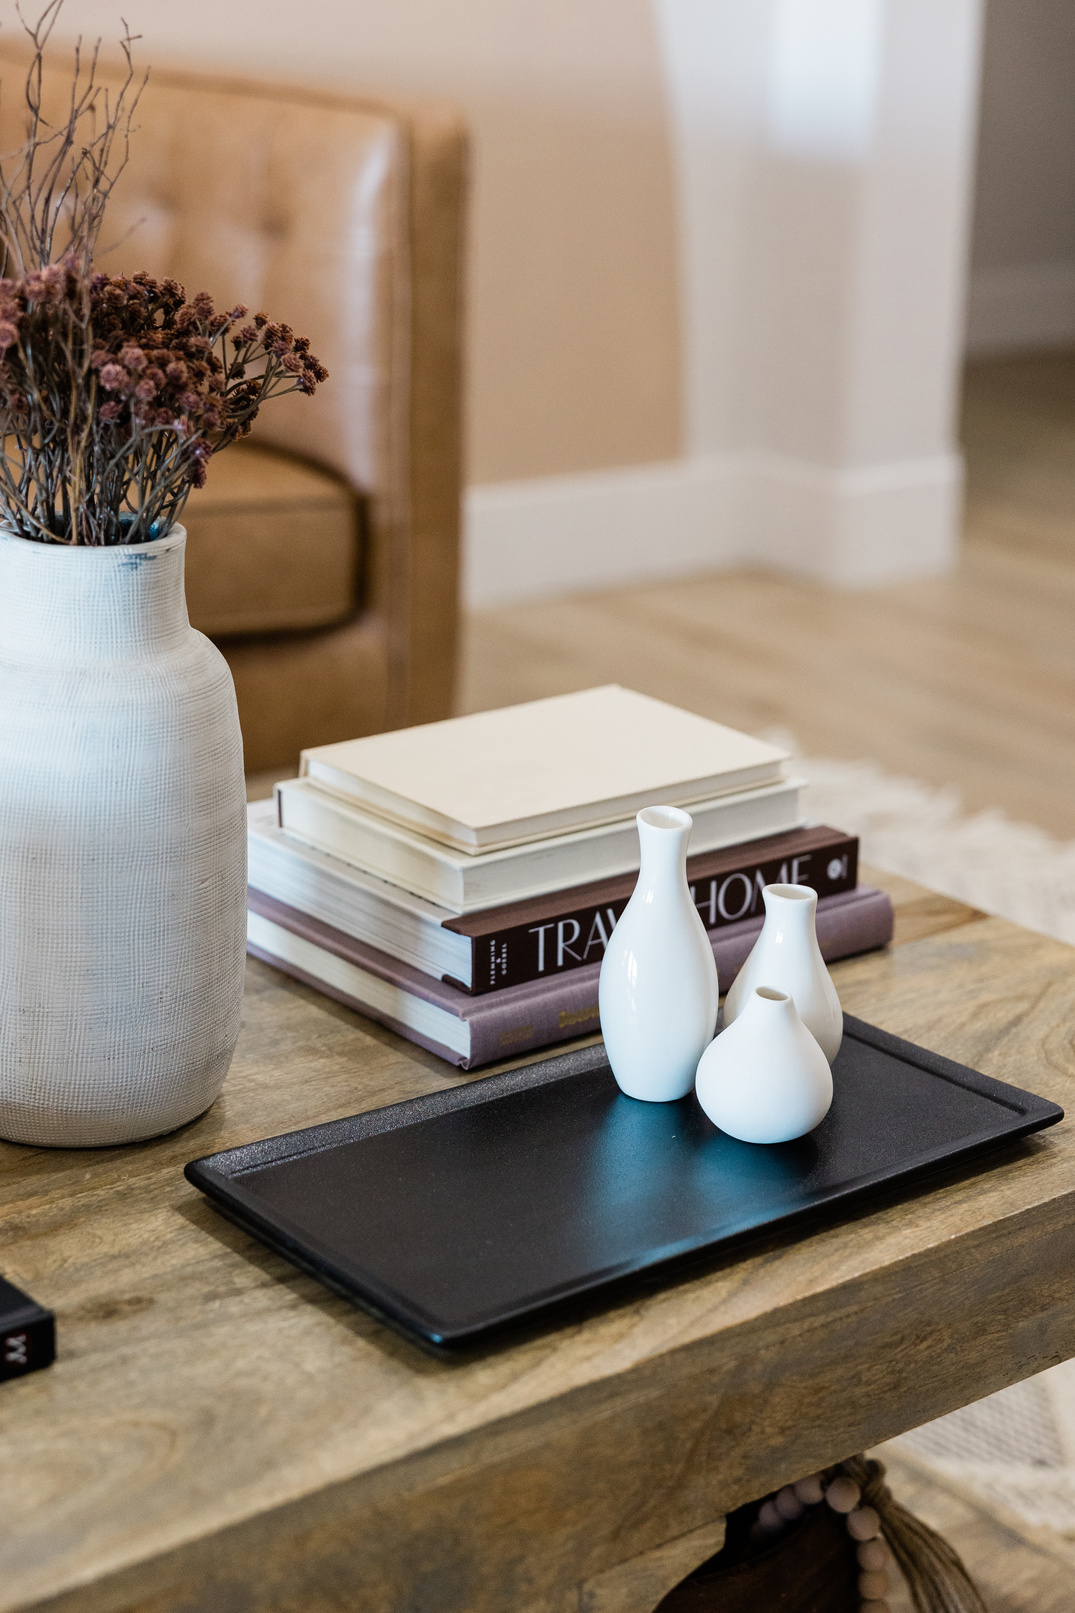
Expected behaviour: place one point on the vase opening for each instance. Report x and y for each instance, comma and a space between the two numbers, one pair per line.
157, 530
793, 893
664, 817
771, 994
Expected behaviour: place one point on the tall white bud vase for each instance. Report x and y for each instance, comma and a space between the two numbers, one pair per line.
786, 955
658, 987
122, 847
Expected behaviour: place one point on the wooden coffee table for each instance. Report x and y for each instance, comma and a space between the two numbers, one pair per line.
221, 1433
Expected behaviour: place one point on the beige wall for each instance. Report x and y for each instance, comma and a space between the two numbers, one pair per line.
818, 229
574, 349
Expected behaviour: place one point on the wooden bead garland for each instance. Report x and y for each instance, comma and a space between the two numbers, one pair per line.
855, 1490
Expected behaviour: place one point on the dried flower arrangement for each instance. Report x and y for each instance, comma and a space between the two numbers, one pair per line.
115, 391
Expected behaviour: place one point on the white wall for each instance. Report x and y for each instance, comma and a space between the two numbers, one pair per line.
573, 341
1022, 291
824, 157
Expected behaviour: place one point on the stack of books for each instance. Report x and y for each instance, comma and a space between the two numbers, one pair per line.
459, 881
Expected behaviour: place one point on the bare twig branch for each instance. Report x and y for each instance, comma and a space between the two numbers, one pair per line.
53, 192
114, 391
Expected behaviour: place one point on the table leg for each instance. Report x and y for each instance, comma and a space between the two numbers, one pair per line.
637, 1585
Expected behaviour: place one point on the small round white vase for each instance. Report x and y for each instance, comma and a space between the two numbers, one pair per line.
658, 986
786, 955
122, 847
765, 1079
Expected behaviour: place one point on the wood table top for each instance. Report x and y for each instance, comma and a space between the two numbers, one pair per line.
221, 1432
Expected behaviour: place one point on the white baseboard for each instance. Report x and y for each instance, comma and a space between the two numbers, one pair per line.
605, 529
600, 529
854, 528
1026, 306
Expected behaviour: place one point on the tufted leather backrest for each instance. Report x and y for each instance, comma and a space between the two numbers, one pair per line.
287, 205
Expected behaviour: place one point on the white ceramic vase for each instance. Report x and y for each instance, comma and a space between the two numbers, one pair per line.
786, 955
658, 987
765, 1079
122, 847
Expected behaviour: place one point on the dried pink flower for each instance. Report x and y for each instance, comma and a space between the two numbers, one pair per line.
173, 367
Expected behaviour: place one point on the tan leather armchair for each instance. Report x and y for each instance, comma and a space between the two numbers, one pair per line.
323, 553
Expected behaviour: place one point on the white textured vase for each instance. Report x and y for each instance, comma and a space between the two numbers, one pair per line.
765, 1079
658, 987
122, 847
786, 955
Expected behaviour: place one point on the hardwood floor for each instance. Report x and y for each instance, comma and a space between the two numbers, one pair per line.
1018, 1569
967, 680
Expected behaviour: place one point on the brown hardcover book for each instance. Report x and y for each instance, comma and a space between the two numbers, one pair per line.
471, 1031
547, 935
528, 939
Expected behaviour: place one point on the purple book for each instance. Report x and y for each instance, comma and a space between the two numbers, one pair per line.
471, 1031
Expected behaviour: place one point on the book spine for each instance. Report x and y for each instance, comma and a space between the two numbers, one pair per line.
521, 1021
553, 1010
578, 937
501, 1026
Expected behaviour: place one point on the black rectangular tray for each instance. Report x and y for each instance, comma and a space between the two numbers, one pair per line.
455, 1215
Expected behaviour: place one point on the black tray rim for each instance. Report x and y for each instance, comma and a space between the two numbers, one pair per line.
218, 1177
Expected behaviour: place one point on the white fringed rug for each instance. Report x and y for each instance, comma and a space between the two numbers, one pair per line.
1011, 869
1014, 1451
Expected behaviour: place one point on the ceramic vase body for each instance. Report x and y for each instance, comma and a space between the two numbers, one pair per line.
786, 955
765, 1079
658, 987
122, 847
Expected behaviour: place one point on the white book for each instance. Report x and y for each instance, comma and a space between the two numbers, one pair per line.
369, 992
384, 915
465, 882
546, 768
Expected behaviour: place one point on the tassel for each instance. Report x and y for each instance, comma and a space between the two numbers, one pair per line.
934, 1572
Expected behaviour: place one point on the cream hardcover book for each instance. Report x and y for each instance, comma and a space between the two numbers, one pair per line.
551, 767
464, 882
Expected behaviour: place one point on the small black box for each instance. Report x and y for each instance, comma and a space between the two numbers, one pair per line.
27, 1333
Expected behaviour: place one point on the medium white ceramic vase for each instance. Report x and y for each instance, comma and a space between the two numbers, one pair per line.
122, 847
658, 987
765, 1079
786, 955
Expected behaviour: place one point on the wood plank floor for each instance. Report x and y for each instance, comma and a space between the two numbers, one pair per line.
966, 680
1017, 1568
